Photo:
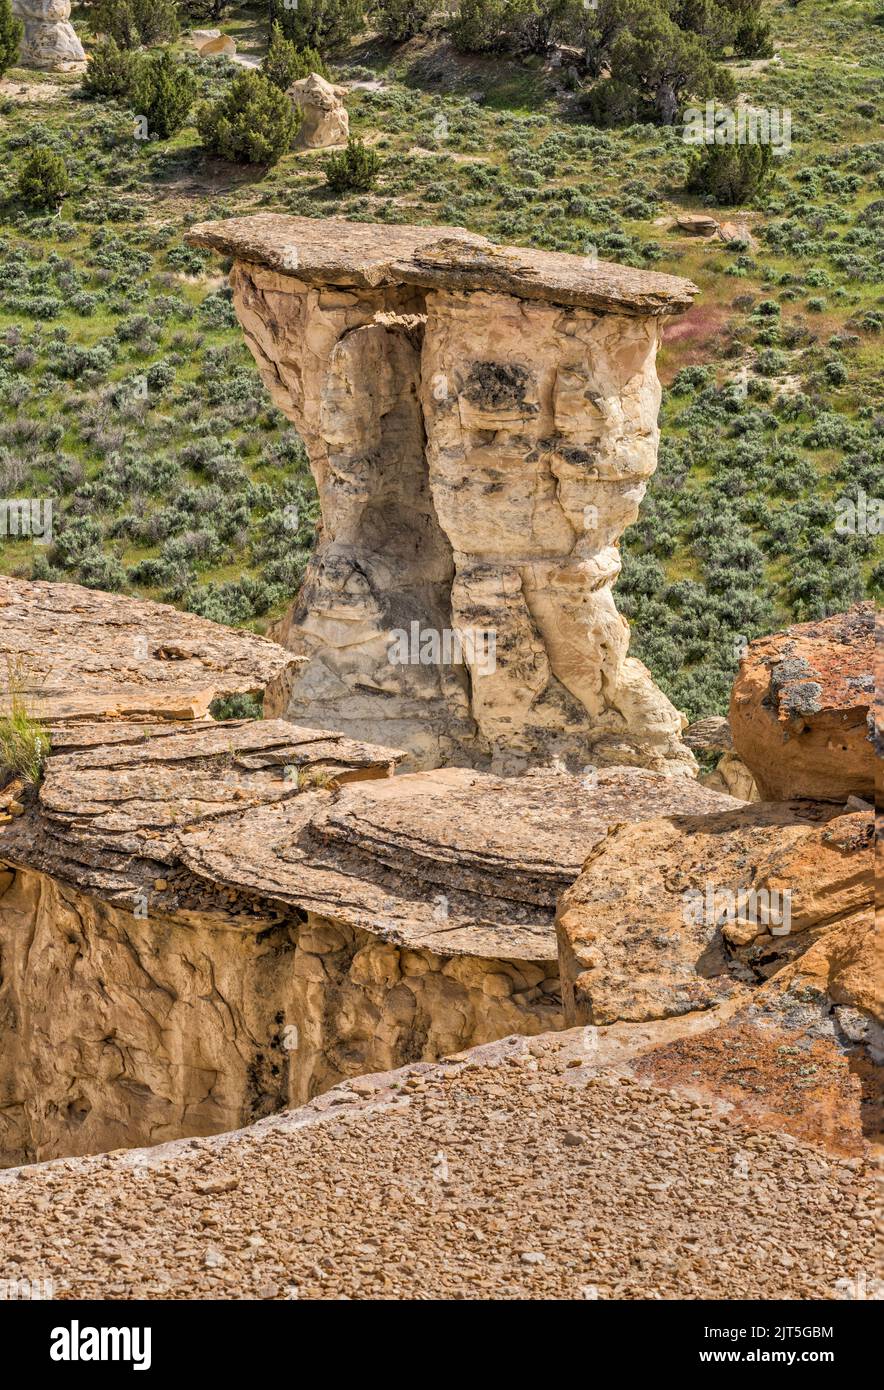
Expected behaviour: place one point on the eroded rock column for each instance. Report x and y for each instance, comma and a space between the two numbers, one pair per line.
542, 433
481, 423
49, 40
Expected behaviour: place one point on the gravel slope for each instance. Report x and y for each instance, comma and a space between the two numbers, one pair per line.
528, 1169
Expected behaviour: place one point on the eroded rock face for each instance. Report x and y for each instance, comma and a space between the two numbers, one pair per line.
801, 709
203, 922
79, 654
481, 423
683, 913
324, 118
49, 40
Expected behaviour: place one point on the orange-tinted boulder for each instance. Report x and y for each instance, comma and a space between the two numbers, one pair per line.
801, 709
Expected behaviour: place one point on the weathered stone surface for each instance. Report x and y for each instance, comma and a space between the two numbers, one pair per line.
805, 1054
239, 939
324, 118
801, 709
81, 654
680, 913
366, 256
49, 40
451, 858
480, 437
404, 1184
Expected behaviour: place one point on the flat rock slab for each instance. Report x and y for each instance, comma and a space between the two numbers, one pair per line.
455, 861
254, 816
81, 654
109, 817
683, 912
801, 708
365, 255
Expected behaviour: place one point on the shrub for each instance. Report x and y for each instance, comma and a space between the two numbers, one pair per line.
163, 91
285, 64
24, 742
110, 71
730, 173
43, 179
751, 37
402, 19
611, 103
136, 23
11, 30
252, 123
320, 24
354, 169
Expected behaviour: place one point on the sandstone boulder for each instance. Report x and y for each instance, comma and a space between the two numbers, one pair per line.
697, 224
211, 43
324, 118
49, 40
682, 913
731, 775
481, 422
801, 709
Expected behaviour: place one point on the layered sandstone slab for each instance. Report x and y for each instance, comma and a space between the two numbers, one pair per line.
628, 1183
204, 922
481, 422
367, 256
76, 654
49, 40
801, 708
682, 912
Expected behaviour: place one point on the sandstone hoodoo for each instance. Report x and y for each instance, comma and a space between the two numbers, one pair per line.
324, 118
801, 711
49, 40
481, 422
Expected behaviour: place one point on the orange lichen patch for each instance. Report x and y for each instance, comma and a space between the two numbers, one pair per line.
774, 1079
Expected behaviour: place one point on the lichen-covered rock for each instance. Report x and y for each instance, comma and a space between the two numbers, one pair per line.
481, 422
324, 118
49, 40
801, 709
681, 913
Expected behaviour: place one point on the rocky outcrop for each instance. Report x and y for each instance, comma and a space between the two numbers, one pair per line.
202, 923
801, 709
481, 422
682, 912
49, 40
324, 118
78, 654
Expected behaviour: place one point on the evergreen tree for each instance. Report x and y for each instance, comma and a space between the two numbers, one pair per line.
11, 30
